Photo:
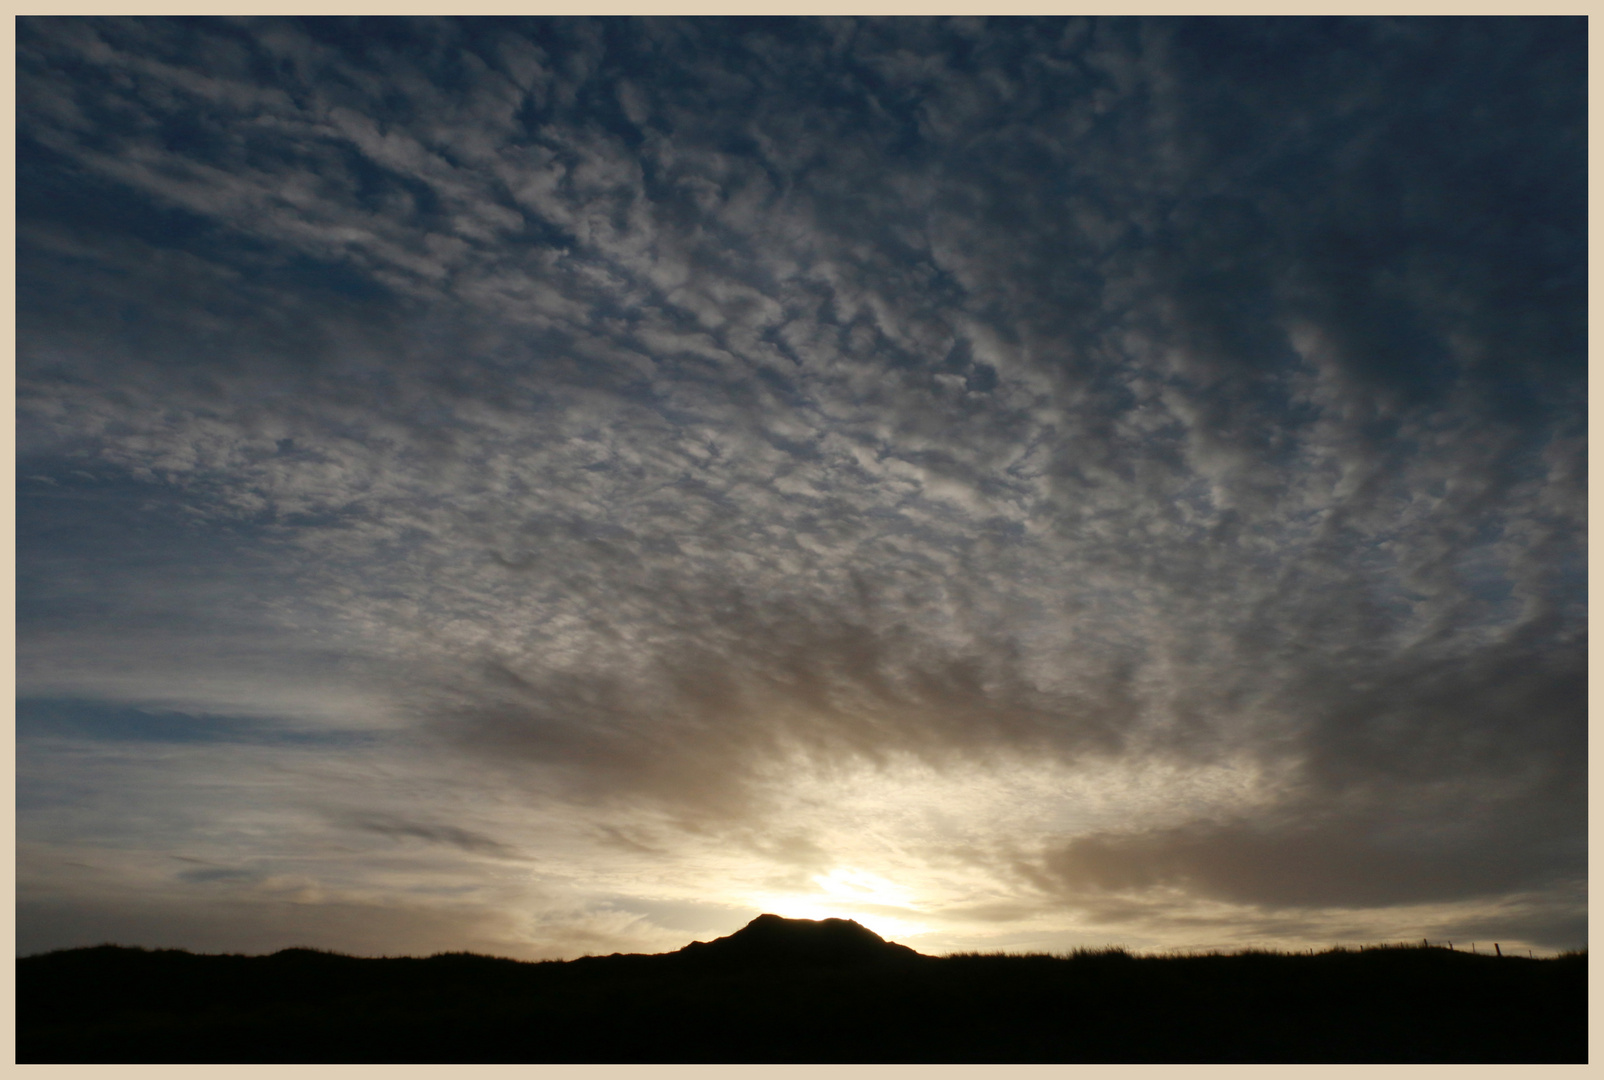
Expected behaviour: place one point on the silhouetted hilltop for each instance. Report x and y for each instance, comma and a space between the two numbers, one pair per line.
770, 940
793, 990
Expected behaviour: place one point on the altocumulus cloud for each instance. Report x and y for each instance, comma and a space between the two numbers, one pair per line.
560, 485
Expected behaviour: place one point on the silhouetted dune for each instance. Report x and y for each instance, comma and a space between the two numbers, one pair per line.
771, 940
786, 990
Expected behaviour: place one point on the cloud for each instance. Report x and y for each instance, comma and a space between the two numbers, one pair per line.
1313, 859
464, 839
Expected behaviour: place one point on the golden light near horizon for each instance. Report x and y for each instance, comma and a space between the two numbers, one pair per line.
849, 893
876, 844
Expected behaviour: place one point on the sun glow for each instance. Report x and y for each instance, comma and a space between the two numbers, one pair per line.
849, 893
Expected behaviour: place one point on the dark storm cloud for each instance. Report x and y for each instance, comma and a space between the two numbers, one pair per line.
645, 401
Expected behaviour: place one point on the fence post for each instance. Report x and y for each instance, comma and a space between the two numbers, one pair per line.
1497, 950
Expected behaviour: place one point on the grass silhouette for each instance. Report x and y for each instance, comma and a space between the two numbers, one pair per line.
799, 991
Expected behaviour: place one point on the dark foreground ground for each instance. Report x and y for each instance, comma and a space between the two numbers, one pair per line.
722, 1003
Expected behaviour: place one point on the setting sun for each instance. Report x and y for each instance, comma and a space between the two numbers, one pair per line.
849, 893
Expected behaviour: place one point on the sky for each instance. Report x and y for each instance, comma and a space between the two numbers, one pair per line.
555, 486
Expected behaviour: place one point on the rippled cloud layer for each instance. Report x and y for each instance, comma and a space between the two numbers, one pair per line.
548, 486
